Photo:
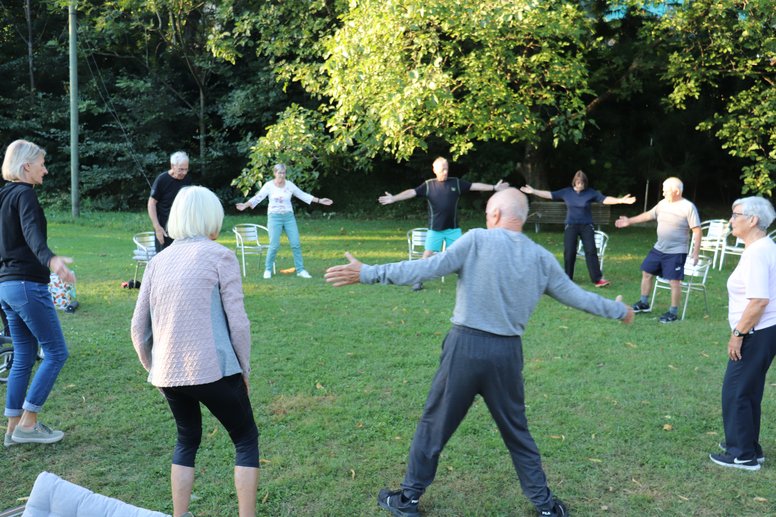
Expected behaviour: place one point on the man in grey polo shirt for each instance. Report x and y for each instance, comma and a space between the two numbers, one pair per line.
676, 217
502, 275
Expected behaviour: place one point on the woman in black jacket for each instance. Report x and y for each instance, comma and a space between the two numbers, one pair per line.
25, 262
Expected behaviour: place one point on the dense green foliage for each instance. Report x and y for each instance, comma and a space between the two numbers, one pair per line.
521, 90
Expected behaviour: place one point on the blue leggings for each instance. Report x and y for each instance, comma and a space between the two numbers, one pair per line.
227, 399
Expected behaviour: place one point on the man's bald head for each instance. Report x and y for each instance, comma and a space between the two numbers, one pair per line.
508, 209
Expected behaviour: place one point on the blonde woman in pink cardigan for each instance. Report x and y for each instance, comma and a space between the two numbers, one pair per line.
192, 335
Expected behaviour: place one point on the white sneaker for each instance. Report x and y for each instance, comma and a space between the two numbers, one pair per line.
267, 274
303, 274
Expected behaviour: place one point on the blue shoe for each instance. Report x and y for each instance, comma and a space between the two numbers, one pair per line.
668, 317
725, 460
558, 509
759, 455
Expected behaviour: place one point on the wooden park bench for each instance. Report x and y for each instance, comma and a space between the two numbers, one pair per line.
554, 212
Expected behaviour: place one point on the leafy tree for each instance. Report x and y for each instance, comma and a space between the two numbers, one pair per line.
727, 50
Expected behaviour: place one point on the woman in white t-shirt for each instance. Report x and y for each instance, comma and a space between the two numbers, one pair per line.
280, 217
752, 344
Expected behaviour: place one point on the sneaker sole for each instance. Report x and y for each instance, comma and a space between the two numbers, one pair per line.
396, 511
641, 310
736, 465
668, 321
19, 439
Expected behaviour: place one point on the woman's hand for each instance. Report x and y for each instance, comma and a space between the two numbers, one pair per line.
325, 201
58, 265
734, 347
242, 206
527, 189
387, 199
627, 199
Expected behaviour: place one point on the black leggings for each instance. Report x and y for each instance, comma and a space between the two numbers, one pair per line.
227, 399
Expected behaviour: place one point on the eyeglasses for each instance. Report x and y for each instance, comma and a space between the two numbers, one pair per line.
738, 214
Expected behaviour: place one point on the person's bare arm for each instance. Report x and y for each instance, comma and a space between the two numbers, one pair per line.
387, 199
528, 189
158, 230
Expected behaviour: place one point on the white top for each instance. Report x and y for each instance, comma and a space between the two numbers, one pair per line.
754, 277
279, 197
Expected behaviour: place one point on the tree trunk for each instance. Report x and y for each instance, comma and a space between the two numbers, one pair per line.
533, 169
30, 62
201, 129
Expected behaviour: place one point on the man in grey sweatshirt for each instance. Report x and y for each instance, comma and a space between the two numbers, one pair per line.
502, 274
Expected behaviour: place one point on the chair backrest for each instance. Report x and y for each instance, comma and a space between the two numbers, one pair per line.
714, 232
697, 273
416, 242
249, 235
145, 243
772, 235
601, 241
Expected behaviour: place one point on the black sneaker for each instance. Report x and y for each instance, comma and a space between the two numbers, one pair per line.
668, 317
558, 509
759, 454
394, 502
726, 460
640, 306
417, 286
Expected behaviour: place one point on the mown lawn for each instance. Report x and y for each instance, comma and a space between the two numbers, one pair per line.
625, 416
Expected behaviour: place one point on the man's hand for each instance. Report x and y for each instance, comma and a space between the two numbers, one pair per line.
387, 199
628, 319
734, 348
622, 222
160, 234
345, 274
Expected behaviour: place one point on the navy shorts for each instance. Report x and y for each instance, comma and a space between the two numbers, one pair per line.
667, 265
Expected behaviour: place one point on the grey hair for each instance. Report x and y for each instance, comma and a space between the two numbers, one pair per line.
178, 158
19, 153
758, 207
280, 167
674, 182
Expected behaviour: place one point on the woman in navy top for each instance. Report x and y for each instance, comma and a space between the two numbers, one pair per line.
579, 222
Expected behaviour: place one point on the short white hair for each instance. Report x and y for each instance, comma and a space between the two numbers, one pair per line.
674, 182
196, 212
758, 207
178, 158
19, 153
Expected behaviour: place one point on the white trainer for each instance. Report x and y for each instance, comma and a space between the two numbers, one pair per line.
303, 274
267, 274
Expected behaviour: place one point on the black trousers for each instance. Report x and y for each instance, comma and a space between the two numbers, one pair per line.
587, 233
477, 363
227, 399
742, 393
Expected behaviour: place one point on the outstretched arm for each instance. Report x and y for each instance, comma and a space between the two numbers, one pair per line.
323, 201
484, 187
624, 221
627, 199
387, 199
528, 189
345, 274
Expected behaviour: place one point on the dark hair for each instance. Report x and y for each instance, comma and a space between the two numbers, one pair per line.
580, 176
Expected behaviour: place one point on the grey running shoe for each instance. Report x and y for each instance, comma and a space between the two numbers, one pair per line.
668, 317
38, 434
8, 441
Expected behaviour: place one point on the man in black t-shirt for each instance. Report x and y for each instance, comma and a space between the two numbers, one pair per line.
442, 194
163, 192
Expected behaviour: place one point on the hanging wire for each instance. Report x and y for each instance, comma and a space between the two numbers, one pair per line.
111, 108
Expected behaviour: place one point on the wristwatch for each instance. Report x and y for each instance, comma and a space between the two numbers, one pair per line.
738, 333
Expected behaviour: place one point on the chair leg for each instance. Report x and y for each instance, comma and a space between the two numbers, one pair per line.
137, 266
242, 252
686, 299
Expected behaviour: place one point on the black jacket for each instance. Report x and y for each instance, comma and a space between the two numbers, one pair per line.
24, 254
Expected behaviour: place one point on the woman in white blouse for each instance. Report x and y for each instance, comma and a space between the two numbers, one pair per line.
751, 347
280, 216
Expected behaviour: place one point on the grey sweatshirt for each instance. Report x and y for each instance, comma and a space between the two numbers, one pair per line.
501, 277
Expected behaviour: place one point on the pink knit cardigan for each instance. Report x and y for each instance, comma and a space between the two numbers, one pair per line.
172, 327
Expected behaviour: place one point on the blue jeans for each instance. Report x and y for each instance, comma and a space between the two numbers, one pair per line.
276, 223
33, 320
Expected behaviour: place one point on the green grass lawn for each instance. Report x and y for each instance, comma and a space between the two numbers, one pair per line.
625, 416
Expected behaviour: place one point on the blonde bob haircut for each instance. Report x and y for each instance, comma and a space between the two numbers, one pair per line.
196, 212
18, 154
